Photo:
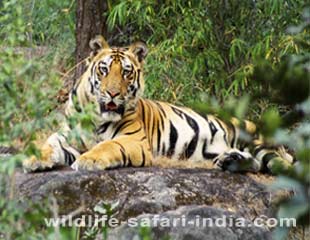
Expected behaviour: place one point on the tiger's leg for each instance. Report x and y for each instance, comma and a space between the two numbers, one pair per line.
238, 158
55, 152
235, 160
273, 157
264, 159
119, 152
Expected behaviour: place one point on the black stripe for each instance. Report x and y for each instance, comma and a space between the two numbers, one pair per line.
172, 140
124, 159
92, 91
143, 158
143, 138
102, 128
120, 127
262, 147
162, 122
213, 130
150, 122
133, 132
153, 128
205, 154
134, 93
161, 108
192, 123
158, 139
190, 149
69, 157
138, 78
163, 151
177, 112
225, 133
142, 112
160, 113
258, 149
233, 128
129, 113
64, 151
122, 150
75, 100
205, 117
129, 162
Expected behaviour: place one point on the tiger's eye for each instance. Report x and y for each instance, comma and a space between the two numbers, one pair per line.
126, 72
103, 70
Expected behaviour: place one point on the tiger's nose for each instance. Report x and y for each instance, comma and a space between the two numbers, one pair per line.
113, 93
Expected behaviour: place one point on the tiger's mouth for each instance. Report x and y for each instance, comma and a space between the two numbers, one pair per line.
111, 107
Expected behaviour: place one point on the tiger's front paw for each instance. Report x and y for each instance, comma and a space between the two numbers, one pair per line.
33, 164
45, 162
85, 162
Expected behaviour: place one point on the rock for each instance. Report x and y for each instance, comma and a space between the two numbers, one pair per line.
142, 192
194, 228
148, 190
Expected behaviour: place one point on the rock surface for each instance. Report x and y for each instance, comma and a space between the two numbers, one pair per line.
194, 227
141, 192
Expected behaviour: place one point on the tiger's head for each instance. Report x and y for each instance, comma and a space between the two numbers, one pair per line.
115, 80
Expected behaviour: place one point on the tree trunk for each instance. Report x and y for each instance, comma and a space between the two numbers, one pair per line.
90, 21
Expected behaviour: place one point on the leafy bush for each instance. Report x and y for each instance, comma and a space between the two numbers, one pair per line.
286, 82
207, 46
29, 85
21, 115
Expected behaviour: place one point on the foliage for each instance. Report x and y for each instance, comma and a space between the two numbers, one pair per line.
298, 178
26, 221
286, 82
275, 129
47, 18
21, 115
26, 100
207, 46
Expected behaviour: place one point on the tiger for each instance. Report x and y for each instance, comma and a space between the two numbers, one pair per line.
132, 131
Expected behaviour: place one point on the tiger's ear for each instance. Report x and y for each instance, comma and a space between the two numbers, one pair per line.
96, 44
139, 49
